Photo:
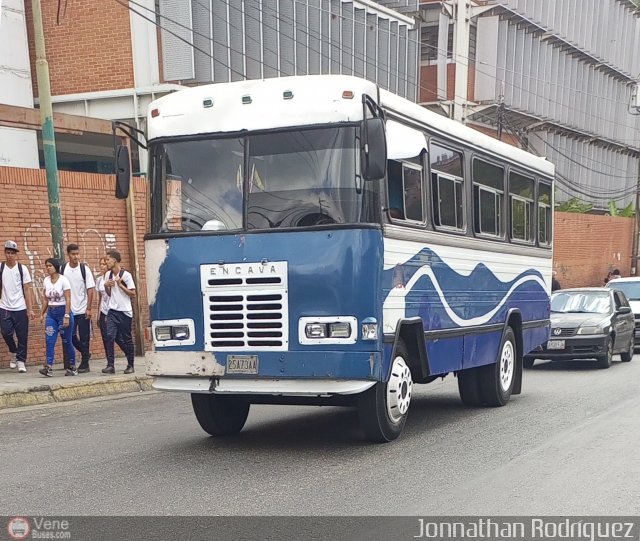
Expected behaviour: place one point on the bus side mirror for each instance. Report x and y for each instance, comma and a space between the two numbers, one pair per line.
374, 149
123, 172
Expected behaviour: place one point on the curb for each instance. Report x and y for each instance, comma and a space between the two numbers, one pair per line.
65, 392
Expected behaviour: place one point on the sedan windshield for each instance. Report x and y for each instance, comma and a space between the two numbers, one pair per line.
581, 302
631, 290
284, 179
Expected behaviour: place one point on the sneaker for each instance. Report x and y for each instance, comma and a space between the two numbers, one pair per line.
46, 371
129, 369
71, 371
83, 368
21, 366
109, 369
13, 363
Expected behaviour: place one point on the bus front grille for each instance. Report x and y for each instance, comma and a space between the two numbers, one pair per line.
245, 306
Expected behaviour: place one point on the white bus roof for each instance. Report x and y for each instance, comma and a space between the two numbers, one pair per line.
263, 104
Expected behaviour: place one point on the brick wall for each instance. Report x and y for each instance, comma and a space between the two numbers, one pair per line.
89, 49
587, 247
92, 217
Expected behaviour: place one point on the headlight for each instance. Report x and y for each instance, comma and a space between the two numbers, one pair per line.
175, 332
339, 330
180, 332
590, 330
328, 330
163, 333
316, 330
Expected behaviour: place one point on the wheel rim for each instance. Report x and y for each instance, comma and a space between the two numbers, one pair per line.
610, 350
399, 390
507, 362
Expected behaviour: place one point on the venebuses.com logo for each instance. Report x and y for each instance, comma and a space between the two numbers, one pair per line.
18, 528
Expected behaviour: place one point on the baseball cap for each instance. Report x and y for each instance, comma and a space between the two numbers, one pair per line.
11, 245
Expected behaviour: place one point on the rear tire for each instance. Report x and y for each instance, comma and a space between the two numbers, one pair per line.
605, 360
496, 380
220, 415
626, 356
383, 408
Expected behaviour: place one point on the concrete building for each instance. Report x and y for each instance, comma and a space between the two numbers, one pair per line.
111, 59
555, 76
18, 146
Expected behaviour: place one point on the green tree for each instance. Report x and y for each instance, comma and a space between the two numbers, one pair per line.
575, 204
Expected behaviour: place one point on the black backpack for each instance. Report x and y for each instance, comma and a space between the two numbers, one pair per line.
121, 274
83, 271
2, 265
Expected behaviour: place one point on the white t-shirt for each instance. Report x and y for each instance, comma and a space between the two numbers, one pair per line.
55, 292
12, 294
78, 287
119, 300
104, 298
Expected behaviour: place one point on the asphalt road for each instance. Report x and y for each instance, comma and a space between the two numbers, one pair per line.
569, 445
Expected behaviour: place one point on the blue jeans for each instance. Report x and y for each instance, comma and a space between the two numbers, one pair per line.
15, 322
54, 325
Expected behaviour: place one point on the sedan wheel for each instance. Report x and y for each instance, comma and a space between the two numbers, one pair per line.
605, 360
626, 356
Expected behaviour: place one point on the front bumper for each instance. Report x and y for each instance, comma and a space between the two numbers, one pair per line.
576, 347
271, 387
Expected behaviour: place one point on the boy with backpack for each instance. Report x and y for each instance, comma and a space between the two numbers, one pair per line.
16, 305
82, 286
119, 286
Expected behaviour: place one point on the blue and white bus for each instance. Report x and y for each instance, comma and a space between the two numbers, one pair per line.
318, 240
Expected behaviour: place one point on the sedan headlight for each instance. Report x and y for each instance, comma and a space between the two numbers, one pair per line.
590, 330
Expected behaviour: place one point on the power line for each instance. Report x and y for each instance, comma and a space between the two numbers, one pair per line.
307, 45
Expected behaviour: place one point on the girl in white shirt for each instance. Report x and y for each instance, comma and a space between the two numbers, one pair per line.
59, 319
103, 300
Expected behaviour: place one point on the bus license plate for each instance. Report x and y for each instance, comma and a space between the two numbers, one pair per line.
242, 364
555, 344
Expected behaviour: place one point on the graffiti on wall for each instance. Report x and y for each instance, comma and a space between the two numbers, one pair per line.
93, 245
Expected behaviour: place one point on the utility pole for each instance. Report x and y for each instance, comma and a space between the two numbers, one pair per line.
463, 25
48, 132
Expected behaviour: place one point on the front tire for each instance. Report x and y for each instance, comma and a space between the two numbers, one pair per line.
220, 415
383, 408
626, 356
469, 387
605, 360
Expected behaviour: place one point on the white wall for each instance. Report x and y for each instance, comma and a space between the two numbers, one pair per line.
18, 148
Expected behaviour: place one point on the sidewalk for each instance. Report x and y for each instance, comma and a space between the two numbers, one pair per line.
33, 388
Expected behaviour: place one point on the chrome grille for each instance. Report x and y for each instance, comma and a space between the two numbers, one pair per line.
245, 306
564, 331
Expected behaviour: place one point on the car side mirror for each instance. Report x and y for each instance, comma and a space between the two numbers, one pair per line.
624, 310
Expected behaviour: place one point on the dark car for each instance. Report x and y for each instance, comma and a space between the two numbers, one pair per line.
631, 288
588, 323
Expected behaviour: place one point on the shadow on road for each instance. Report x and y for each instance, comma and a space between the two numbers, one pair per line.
331, 429
572, 366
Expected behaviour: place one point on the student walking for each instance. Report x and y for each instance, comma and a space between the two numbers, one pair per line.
59, 318
82, 285
121, 289
16, 305
103, 309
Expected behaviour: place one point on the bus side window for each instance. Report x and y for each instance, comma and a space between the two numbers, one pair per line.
412, 182
447, 188
544, 214
396, 190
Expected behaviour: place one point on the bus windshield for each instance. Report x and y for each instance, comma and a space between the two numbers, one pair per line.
296, 179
